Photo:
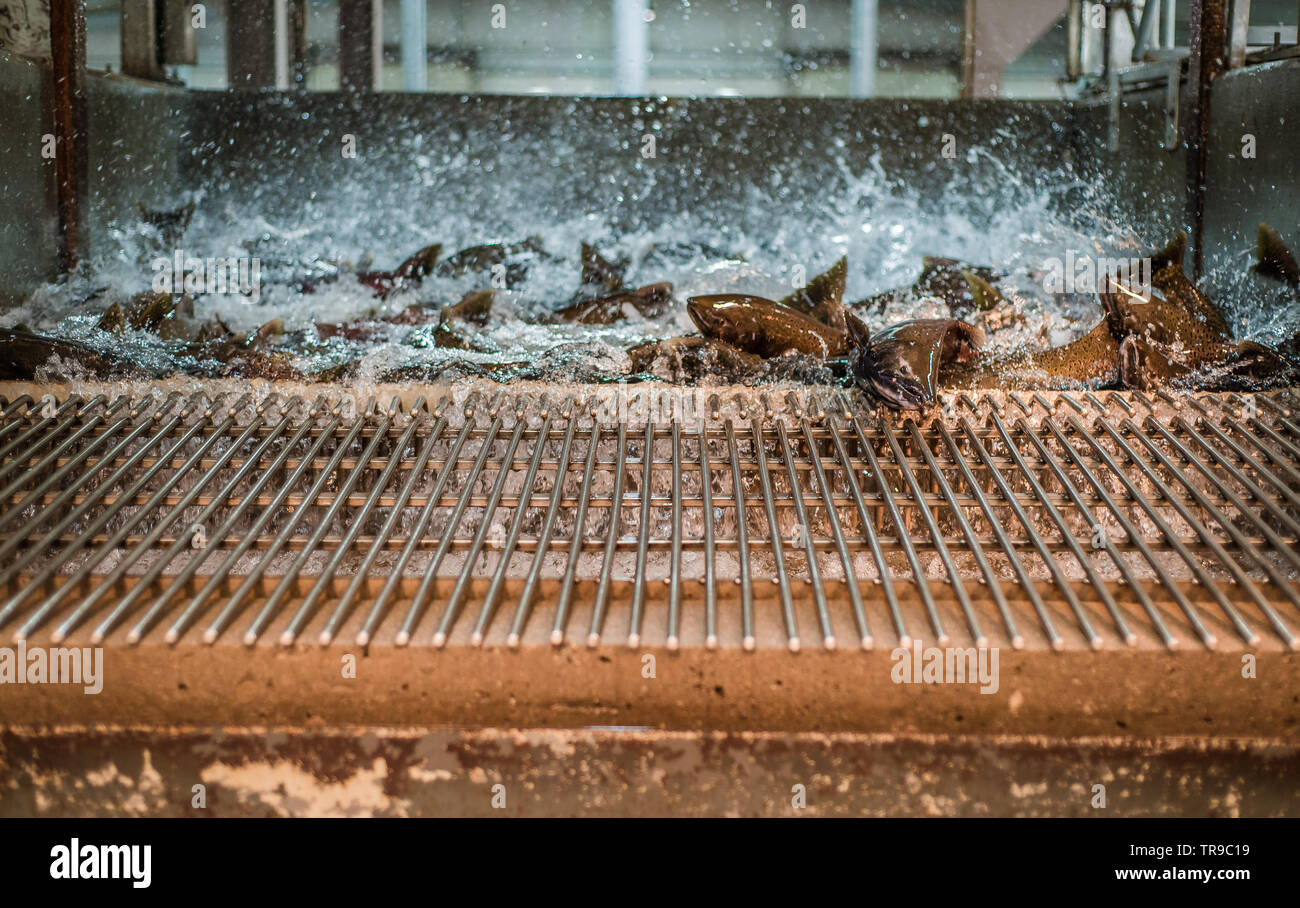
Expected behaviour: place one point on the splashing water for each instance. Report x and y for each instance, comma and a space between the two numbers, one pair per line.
882, 225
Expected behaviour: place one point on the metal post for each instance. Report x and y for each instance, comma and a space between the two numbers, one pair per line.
1111, 72
1237, 34
863, 48
415, 54
251, 46
282, 44
361, 45
68, 61
1074, 41
631, 48
178, 39
1209, 42
1145, 29
140, 40
1169, 21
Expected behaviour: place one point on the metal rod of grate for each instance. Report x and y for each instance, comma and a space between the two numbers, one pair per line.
1092, 518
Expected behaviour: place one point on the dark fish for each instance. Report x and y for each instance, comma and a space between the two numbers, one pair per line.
600, 277
113, 319
171, 224
275, 365
1176, 333
456, 323
1275, 259
946, 279
1146, 340
822, 298
481, 259
692, 358
764, 327
812, 320
24, 354
375, 326
412, 271
984, 296
901, 364
1090, 361
145, 312
649, 301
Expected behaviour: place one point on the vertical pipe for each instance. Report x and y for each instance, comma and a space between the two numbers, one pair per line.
68, 53
863, 48
631, 48
1209, 41
140, 39
1111, 71
1074, 40
1240, 24
1169, 20
415, 55
360, 45
1145, 30
251, 47
282, 44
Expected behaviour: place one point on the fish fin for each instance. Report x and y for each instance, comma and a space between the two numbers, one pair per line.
474, 307
984, 294
421, 263
823, 296
1115, 304
1131, 364
112, 319
1171, 255
1274, 259
600, 272
859, 333
930, 264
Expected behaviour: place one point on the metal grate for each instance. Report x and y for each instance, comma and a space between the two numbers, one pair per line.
503, 515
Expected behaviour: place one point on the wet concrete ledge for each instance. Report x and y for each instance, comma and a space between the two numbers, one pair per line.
1075, 693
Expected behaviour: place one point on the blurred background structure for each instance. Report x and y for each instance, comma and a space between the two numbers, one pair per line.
746, 48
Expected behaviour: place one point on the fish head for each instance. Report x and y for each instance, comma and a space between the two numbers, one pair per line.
901, 364
705, 314
723, 316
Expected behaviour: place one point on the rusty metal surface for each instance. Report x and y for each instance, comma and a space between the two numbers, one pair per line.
1208, 61
1116, 506
68, 45
629, 772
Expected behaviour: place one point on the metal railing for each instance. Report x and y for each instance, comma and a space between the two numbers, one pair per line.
1065, 520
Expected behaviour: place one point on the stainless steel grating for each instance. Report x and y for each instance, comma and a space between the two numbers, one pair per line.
498, 515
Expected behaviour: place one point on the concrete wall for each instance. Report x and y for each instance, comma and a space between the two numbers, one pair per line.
137, 133
28, 224
133, 156
1264, 102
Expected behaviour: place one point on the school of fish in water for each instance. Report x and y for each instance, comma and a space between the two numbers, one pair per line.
1169, 333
